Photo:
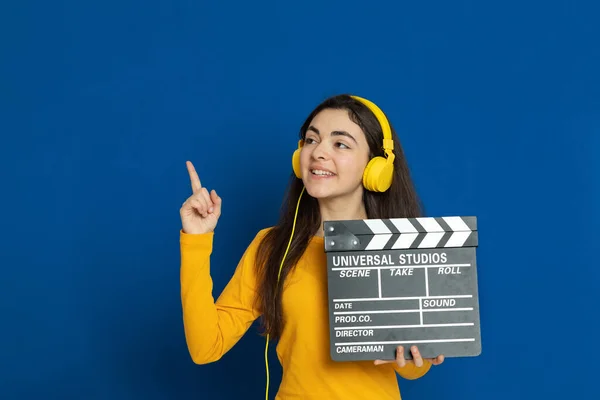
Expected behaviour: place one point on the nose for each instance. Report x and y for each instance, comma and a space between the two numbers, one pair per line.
320, 151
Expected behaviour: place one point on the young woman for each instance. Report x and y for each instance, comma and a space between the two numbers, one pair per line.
284, 281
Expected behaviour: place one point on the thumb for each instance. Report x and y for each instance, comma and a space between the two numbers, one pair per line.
216, 200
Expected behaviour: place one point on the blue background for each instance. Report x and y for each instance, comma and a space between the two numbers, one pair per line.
496, 103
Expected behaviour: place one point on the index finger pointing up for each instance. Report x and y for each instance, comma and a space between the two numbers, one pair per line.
194, 179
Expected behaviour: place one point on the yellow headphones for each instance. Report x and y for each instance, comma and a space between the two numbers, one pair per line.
378, 174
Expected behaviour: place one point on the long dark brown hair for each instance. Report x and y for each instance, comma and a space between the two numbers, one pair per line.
399, 201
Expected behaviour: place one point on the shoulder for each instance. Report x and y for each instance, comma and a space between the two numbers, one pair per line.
259, 237
264, 231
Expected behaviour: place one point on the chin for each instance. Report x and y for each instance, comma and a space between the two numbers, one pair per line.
318, 190
327, 192
313, 190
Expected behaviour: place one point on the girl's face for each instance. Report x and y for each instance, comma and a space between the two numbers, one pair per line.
334, 156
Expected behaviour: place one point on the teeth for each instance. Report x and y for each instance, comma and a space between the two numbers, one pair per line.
321, 172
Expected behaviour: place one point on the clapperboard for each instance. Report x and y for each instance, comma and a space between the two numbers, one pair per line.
404, 281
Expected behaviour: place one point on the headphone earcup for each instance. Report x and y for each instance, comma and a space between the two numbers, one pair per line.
296, 164
378, 174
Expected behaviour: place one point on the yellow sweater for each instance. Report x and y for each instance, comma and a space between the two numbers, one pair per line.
211, 329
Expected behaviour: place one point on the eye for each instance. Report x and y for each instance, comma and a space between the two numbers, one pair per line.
342, 145
308, 140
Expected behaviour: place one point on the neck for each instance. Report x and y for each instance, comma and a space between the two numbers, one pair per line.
341, 209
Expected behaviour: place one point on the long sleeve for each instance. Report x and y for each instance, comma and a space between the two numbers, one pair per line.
213, 328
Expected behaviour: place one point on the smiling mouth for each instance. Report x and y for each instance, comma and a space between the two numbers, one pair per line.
320, 172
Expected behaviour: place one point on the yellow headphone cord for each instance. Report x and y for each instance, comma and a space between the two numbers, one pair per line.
278, 275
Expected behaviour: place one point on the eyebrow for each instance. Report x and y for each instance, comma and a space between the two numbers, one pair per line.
334, 133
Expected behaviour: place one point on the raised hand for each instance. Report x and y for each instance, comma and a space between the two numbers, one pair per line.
417, 359
201, 211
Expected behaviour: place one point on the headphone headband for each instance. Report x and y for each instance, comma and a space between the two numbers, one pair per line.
388, 143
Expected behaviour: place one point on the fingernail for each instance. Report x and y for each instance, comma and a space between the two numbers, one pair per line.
210, 209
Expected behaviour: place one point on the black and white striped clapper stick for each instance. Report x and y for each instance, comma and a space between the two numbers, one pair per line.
402, 282
402, 233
